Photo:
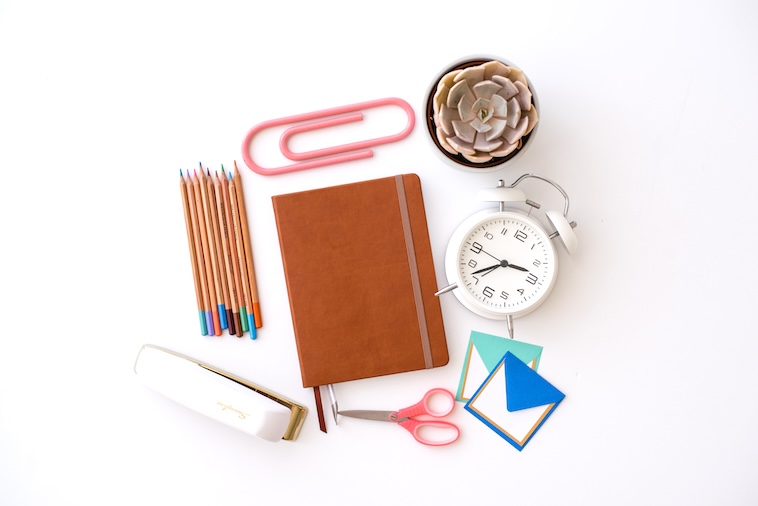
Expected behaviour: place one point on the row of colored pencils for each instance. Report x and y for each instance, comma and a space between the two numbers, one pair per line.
220, 252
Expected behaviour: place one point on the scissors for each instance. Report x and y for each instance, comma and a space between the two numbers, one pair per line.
437, 403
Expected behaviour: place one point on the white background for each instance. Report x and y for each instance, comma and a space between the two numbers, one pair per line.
648, 121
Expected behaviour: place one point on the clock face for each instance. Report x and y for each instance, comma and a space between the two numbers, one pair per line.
503, 262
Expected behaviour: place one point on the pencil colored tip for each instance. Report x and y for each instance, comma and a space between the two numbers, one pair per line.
180, 173
200, 164
209, 172
235, 164
195, 172
222, 167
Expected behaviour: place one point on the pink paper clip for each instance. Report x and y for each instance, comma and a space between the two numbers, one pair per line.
324, 119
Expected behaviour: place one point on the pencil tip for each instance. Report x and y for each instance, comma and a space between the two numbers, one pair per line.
200, 164
235, 164
180, 173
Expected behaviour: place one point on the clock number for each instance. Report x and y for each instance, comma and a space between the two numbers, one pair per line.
532, 279
472, 263
504, 231
536, 263
520, 291
504, 295
476, 247
520, 235
488, 292
489, 236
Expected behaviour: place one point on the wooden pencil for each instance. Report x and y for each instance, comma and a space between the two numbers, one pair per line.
223, 297
216, 299
235, 287
228, 281
211, 297
248, 249
247, 307
193, 254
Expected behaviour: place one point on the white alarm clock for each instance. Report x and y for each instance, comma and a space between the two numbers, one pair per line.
501, 263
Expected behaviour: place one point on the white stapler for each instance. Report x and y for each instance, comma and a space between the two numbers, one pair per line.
222, 396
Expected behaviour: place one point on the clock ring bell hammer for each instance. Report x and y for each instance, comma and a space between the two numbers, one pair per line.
501, 263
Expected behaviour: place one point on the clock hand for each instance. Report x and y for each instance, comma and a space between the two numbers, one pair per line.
493, 256
490, 268
518, 268
503, 263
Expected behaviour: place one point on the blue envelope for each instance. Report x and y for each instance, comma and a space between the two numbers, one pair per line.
484, 353
514, 401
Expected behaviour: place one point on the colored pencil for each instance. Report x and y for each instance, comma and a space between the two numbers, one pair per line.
247, 307
235, 289
220, 270
211, 302
193, 254
256, 316
226, 275
216, 298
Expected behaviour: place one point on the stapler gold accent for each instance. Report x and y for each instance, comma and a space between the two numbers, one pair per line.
219, 395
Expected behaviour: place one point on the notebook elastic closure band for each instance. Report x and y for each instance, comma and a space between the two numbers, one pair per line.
416, 282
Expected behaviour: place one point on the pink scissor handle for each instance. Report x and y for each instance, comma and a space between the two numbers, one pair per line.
437, 402
428, 405
440, 433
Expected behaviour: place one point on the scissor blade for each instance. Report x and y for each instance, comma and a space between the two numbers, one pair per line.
368, 414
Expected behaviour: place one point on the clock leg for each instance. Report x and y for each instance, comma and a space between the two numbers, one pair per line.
448, 288
509, 324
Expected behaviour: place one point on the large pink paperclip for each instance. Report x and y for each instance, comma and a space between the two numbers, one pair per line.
324, 119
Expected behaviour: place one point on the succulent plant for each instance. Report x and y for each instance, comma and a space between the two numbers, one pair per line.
483, 111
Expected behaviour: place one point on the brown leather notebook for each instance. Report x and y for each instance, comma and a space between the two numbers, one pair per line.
361, 280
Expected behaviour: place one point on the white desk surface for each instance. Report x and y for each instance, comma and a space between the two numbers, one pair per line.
648, 121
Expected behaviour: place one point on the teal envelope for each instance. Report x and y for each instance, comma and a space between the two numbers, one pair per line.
484, 353
514, 401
